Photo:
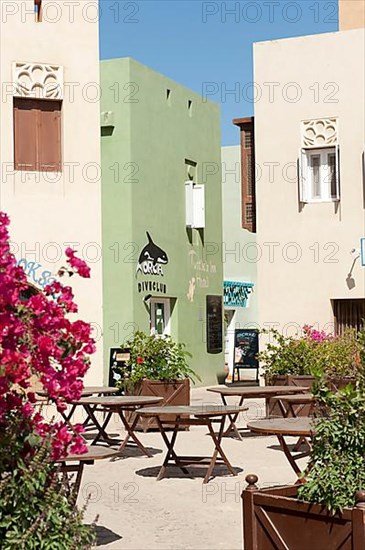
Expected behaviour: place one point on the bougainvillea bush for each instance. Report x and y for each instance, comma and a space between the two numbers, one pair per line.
38, 340
312, 353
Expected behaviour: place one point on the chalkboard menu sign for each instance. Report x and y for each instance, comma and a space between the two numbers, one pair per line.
214, 324
246, 347
118, 359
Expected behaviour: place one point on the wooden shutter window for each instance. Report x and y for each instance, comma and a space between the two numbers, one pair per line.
49, 152
248, 175
37, 135
38, 10
25, 134
348, 313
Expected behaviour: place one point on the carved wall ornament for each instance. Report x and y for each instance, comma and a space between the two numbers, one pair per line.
321, 132
38, 80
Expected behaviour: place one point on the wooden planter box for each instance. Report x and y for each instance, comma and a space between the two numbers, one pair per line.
274, 519
174, 392
273, 409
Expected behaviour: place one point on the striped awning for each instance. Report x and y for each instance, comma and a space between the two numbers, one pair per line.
236, 293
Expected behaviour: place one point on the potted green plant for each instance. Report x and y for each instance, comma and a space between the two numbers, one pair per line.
296, 361
328, 509
158, 366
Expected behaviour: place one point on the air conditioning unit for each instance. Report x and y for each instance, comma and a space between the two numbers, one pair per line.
194, 205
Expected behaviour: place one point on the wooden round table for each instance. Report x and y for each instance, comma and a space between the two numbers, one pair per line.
198, 415
99, 390
117, 404
256, 392
286, 427
92, 454
86, 391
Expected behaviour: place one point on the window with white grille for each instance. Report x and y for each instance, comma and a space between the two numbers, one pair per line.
319, 175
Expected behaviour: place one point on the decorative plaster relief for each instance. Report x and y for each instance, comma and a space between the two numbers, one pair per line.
321, 132
37, 80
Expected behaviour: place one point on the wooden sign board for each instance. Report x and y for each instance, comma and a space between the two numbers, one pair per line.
246, 347
214, 324
118, 359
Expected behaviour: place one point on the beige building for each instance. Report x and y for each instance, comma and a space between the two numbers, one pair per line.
351, 14
310, 198
50, 143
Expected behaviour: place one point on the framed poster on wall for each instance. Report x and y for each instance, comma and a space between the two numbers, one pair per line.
214, 324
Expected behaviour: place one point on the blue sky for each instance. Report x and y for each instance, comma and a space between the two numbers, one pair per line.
207, 46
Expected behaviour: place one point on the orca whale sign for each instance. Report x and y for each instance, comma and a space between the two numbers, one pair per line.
151, 259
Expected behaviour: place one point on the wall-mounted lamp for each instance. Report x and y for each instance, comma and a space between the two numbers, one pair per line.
147, 298
350, 281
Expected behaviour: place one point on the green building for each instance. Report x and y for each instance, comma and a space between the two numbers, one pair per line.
240, 253
162, 214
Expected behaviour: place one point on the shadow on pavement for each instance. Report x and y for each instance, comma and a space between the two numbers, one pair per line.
134, 452
105, 536
172, 472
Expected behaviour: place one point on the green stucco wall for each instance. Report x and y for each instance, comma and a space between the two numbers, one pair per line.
239, 249
144, 171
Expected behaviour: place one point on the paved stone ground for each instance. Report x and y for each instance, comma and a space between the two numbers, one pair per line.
136, 512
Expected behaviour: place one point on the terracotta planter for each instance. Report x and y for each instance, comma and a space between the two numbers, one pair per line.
174, 392
274, 519
273, 409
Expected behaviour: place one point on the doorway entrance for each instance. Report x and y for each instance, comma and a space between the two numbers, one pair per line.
160, 316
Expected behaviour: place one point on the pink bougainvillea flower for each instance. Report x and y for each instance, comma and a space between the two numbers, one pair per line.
39, 342
78, 446
77, 264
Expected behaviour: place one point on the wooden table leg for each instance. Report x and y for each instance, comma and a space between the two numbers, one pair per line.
88, 419
77, 484
232, 420
292, 459
290, 412
217, 449
79, 470
67, 416
131, 434
170, 448
101, 428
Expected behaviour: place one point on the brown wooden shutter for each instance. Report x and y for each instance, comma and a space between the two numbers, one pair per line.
49, 152
348, 313
248, 173
248, 183
25, 134
37, 135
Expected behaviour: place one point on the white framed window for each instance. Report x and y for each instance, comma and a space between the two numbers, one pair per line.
160, 312
194, 205
319, 175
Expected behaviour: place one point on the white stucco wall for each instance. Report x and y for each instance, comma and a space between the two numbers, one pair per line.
309, 78
62, 208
